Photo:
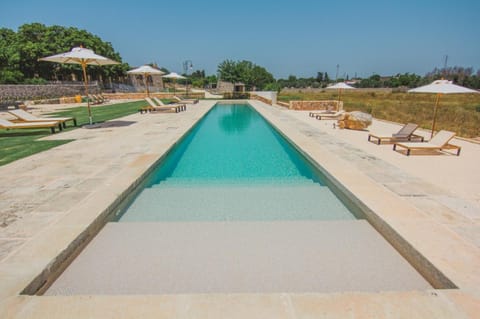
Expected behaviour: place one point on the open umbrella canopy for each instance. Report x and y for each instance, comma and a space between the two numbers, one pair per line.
84, 57
145, 70
81, 56
441, 87
174, 76
340, 85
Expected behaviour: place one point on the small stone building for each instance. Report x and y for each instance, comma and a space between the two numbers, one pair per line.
227, 87
155, 82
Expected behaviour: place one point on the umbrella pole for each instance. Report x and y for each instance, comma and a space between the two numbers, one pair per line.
146, 84
339, 96
435, 114
84, 67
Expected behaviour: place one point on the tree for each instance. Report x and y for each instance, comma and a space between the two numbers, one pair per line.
320, 76
35, 40
227, 71
9, 58
326, 78
250, 74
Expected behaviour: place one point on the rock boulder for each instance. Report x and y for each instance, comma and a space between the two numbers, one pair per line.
355, 120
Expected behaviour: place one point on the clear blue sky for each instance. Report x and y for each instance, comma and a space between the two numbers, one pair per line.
298, 37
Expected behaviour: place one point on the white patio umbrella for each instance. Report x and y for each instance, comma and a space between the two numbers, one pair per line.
441, 87
146, 70
340, 86
174, 76
84, 57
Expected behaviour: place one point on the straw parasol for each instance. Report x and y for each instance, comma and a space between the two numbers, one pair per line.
84, 57
145, 70
441, 87
174, 76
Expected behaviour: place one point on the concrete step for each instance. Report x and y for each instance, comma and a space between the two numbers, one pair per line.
206, 182
171, 202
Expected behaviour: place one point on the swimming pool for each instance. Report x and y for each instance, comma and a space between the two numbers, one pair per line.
233, 165
237, 203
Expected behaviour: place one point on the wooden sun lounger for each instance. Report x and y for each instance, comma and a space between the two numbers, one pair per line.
330, 115
404, 134
315, 113
151, 107
182, 106
188, 101
94, 100
30, 118
439, 142
6, 124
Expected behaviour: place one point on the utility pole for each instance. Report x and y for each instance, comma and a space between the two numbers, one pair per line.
445, 66
336, 76
187, 66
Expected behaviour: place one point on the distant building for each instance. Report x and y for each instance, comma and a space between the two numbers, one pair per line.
225, 87
155, 82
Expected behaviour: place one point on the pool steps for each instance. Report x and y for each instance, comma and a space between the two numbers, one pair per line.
173, 200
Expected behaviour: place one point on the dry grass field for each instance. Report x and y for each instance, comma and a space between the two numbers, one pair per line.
459, 113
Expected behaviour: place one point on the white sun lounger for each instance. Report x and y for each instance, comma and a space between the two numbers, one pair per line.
405, 134
28, 117
438, 143
155, 107
330, 115
187, 101
182, 106
6, 124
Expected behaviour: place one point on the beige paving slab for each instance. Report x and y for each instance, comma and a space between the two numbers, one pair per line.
427, 304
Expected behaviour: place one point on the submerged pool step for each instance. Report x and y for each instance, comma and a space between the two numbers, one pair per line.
242, 203
237, 257
196, 182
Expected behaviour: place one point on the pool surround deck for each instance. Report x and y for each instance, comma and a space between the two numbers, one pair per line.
54, 201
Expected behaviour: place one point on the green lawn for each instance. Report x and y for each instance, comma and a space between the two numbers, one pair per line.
16, 144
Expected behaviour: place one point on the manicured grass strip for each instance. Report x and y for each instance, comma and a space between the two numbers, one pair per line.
26, 148
101, 113
17, 144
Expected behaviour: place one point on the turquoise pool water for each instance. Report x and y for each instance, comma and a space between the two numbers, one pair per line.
233, 165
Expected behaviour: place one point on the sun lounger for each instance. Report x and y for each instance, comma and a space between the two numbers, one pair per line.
315, 113
182, 106
154, 107
30, 118
330, 115
6, 124
100, 98
404, 134
438, 143
187, 101
94, 100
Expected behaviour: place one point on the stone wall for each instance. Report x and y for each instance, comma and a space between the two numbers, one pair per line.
316, 105
321, 90
253, 96
269, 97
22, 92
142, 95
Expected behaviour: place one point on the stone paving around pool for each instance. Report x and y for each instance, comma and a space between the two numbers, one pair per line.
51, 202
